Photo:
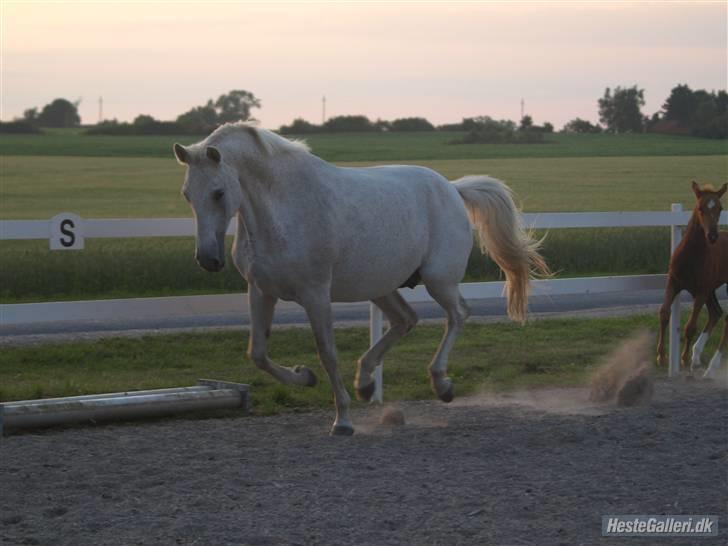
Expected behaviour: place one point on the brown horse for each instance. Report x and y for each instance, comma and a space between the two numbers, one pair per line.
700, 266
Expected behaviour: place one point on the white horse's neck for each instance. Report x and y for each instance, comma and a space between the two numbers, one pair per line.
267, 198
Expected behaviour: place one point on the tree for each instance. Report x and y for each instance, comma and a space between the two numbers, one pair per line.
59, 113
31, 116
299, 127
526, 123
144, 119
695, 112
620, 112
581, 126
484, 129
352, 124
411, 124
680, 106
199, 120
235, 106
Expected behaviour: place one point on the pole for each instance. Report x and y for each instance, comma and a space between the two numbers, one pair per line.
375, 334
674, 339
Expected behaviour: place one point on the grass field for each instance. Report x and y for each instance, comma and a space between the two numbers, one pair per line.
105, 177
501, 355
40, 187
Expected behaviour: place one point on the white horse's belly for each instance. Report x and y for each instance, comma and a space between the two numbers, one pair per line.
362, 277
366, 284
399, 235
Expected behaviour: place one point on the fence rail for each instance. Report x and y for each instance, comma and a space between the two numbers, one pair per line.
181, 227
68, 231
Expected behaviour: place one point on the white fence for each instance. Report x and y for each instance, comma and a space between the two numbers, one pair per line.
68, 231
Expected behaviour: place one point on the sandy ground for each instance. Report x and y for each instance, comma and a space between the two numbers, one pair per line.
531, 467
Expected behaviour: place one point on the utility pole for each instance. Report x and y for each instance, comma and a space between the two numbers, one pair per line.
101, 109
522, 108
323, 110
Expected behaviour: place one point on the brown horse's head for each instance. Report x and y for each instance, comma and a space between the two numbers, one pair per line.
708, 209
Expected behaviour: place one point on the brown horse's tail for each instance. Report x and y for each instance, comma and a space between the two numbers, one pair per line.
491, 210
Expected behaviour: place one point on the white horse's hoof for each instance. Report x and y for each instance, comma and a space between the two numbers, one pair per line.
443, 389
308, 377
342, 430
365, 394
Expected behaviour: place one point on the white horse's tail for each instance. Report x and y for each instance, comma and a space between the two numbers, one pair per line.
491, 210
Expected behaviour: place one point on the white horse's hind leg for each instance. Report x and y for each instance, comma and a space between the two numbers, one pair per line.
318, 309
261, 317
448, 296
402, 318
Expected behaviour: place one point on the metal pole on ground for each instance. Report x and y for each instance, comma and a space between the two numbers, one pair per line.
674, 339
376, 321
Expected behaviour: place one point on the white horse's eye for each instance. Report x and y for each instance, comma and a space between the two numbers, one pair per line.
218, 194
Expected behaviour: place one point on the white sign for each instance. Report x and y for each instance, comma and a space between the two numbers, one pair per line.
66, 232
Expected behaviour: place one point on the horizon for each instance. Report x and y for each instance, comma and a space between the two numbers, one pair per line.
442, 62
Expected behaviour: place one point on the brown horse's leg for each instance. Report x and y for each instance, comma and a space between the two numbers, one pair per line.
714, 314
715, 361
690, 328
670, 292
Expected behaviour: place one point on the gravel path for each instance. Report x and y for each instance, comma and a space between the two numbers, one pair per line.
535, 467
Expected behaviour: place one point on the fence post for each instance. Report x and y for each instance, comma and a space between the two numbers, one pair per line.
375, 334
674, 339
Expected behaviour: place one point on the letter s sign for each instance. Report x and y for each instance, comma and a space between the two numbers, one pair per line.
66, 232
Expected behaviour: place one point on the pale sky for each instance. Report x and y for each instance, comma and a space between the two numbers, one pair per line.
442, 61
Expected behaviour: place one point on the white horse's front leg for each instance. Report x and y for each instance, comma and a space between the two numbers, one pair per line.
318, 309
261, 317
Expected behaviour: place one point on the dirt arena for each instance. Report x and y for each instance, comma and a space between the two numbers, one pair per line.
535, 467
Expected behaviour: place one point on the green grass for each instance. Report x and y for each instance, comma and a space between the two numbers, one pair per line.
122, 268
494, 356
40, 187
375, 146
109, 268
102, 178
434, 146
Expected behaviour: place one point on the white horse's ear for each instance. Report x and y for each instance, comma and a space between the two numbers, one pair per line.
213, 154
722, 190
696, 189
181, 154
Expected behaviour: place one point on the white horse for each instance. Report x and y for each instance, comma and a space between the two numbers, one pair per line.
311, 232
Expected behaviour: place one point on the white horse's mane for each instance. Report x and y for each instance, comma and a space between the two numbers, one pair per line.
271, 143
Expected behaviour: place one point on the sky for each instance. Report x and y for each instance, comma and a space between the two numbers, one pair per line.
441, 61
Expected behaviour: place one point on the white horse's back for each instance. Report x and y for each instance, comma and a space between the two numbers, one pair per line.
395, 221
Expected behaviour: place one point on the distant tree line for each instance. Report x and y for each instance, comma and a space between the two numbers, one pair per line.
487, 130
685, 111
356, 124
233, 106
697, 113
58, 113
